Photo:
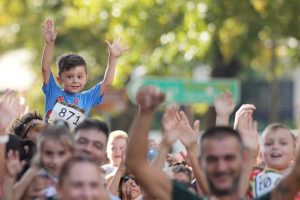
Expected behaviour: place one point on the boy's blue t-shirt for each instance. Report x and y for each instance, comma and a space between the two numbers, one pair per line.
84, 100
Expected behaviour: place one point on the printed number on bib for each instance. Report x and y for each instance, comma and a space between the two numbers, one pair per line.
64, 112
265, 182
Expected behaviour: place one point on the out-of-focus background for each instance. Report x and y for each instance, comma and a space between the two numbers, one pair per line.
256, 42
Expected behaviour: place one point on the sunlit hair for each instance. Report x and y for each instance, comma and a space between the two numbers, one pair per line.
57, 133
19, 125
113, 136
271, 128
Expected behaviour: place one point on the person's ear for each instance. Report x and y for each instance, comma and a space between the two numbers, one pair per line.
58, 80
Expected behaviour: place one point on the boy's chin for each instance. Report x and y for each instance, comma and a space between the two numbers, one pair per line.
72, 91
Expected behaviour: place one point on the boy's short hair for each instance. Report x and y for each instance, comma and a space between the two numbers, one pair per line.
69, 61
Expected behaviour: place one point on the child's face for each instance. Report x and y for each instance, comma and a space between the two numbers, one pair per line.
118, 146
54, 154
73, 80
277, 149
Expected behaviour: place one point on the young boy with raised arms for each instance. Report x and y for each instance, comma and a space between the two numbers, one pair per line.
69, 102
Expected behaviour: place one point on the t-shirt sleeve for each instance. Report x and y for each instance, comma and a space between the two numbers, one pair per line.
94, 95
50, 87
181, 193
51, 91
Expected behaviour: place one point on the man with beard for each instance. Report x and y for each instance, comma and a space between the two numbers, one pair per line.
222, 157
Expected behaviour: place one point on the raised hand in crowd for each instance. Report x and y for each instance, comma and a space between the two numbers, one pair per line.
247, 128
149, 177
13, 164
190, 138
224, 106
116, 48
10, 108
169, 124
50, 32
245, 108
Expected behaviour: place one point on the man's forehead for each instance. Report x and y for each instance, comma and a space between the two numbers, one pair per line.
91, 134
221, 145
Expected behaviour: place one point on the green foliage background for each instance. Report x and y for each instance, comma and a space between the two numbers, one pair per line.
166, 37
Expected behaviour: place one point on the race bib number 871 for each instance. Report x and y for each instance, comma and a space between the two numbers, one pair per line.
64, 112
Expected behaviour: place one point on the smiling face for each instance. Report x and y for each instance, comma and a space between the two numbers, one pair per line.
222, 159
277, 149
117, 147
74, 79
92, 142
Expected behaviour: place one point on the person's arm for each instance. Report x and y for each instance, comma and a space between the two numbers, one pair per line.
224, 106
245, 108
113, 186
151, 178
169, 123
115, 50
49, 36
189, 137
13, 167
247, 128
26, 180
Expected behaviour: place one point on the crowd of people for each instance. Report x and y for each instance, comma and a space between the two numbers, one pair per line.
67, 155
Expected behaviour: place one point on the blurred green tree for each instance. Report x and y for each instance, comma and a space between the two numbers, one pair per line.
166, 37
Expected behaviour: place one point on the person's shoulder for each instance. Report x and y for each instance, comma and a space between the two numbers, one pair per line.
179, 192
264, 197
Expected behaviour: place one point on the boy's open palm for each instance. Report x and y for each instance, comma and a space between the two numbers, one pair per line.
116, 48
49, 31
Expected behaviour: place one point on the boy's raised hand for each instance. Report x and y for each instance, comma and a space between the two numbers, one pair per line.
49, 31
116, 48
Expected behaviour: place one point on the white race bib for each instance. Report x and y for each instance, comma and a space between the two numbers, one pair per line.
265, 182
62, 111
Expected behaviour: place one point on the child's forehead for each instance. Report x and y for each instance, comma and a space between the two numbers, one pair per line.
278, 133
79, 69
